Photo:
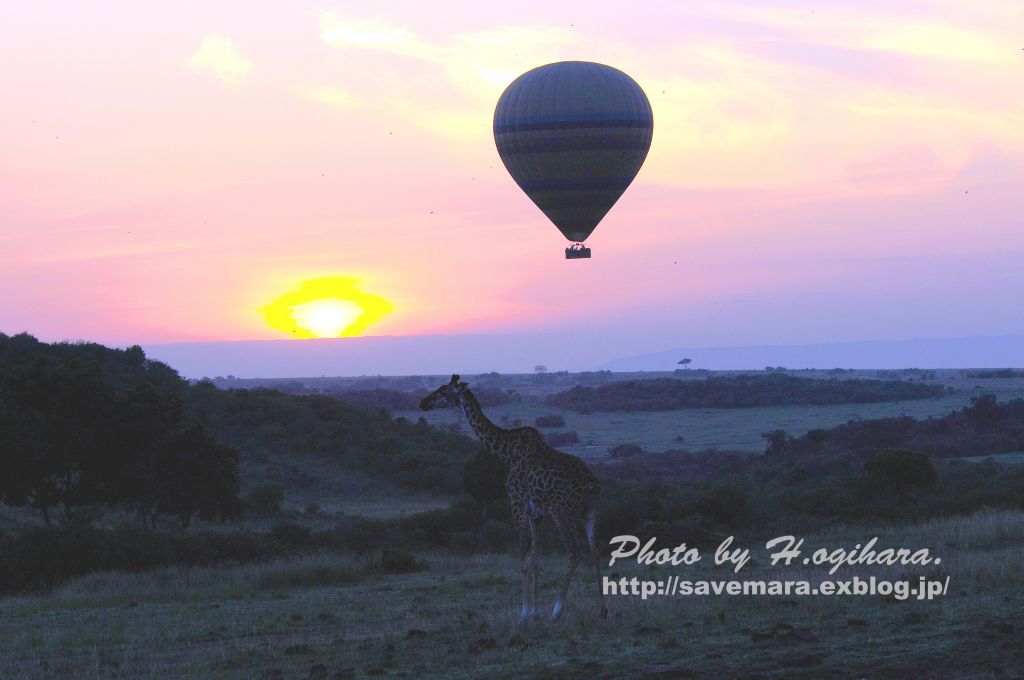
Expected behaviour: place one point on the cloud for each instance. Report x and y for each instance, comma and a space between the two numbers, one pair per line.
943, 42
477, 64
375, 34
217, 55
887, 28
333, 96
740, 88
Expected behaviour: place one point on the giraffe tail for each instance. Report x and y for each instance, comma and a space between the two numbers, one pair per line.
590, 528
590, 525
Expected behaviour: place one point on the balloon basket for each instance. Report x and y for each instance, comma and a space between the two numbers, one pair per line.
577, 252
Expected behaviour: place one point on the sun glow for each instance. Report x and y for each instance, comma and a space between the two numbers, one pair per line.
326, 318
327, 307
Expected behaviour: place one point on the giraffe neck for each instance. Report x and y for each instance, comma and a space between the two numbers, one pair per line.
496, 440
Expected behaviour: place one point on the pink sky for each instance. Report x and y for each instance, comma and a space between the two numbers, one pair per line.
819, 172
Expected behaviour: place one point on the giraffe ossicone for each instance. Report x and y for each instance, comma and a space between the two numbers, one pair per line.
542, 483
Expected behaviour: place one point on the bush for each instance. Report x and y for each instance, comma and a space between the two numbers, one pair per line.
998, 373
724, 506
360, 534
292, 535
550, 421
741, 391
983, 428
42, 558
441, 528
900, 469
625, 451
562, 438
265, 498
400, 561
305, 577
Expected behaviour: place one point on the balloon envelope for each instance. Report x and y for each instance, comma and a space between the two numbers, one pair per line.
573, 135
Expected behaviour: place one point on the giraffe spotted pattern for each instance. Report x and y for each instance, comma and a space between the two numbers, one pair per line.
542, 483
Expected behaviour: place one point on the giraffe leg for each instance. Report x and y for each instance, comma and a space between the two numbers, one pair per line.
570, 536
535, 575
528, 537
524, 544
590, 528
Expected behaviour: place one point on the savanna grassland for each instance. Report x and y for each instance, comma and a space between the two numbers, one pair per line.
336, 616
695, 429
334, 531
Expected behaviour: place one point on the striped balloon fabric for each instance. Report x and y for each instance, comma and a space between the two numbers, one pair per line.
573, 135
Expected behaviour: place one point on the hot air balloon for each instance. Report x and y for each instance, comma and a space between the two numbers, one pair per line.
573, 135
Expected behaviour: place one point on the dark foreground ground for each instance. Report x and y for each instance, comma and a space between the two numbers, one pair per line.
334, 616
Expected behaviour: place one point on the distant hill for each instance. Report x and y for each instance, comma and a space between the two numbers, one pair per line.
477, 354
380, 355
972, 352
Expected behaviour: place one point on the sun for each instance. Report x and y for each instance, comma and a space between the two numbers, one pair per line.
326, 318
326, 307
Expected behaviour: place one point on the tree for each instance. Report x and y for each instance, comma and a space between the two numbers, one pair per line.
817, 437
685, 363
900, 470
778, 441
192, 455
540, 368
86, 425
135, 355
48, 419
984, 412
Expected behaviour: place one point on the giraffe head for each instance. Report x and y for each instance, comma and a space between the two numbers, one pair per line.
448, 395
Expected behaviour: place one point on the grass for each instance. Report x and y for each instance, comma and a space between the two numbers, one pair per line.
333, 615
727, 429
333, 487
1015, 457
702, 429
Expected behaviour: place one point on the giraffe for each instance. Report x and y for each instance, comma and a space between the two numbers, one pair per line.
542, 482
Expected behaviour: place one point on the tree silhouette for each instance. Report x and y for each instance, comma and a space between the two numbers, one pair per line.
86, 425
900, 469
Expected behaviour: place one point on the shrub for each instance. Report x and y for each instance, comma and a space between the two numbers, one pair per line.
900, 469
777, 441
723, 506
552, 420
265, 497
42, 558
740, 391
305, 576
400, 561
360, 534
290, 535
998, 373
439, 527
379, 398
625, 451
562, 438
